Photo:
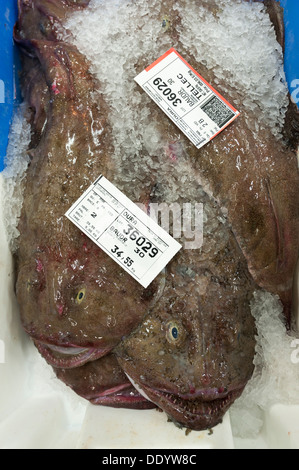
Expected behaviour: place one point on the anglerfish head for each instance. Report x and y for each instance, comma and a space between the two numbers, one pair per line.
77, 306
192, 355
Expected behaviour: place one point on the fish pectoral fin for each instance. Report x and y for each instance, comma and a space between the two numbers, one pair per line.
280, 253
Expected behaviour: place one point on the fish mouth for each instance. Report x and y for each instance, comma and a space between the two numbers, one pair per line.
121, 396
68, 357
204, 411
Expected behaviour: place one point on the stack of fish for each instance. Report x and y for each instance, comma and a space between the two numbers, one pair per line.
186, 343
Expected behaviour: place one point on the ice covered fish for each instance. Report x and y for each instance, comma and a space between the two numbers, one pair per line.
251, 168
72, 295
193, 354
254, 175
103, 382
187, 342
241, 168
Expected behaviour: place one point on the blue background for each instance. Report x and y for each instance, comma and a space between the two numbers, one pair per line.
9, 65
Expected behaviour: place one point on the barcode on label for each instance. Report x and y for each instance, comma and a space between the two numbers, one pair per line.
218, 111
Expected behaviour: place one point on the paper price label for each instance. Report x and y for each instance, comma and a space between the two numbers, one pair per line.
187, 98
128, 235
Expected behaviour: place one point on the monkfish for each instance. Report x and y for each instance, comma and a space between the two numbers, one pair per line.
255, 181
187, 342
71, 294
192, 355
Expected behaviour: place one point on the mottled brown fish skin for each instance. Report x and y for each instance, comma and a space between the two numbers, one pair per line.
254, 178
260, 198
102, 382
69, 291
193, 353
43, 19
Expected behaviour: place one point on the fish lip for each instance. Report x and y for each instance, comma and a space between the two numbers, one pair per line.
70, 356
198, 413
203, 396
124, 395
206, 394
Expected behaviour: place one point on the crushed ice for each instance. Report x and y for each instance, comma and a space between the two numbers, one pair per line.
276, 376
238, 42
114, 37
16, 162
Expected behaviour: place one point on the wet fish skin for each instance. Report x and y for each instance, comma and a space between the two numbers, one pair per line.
102, 382
183, 299
214, 386
43, 19
196, 375
55, 261
254, 178
264, 220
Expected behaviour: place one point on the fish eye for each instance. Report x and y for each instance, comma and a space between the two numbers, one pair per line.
80, 296
174, 332
165, 23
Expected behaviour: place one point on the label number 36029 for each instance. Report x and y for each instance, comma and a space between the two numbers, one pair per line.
167, 91
141, 242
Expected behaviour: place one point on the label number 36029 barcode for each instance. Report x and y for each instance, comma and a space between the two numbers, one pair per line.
186, 98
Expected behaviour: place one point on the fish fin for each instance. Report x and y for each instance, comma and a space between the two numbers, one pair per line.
279, 234
286, 294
